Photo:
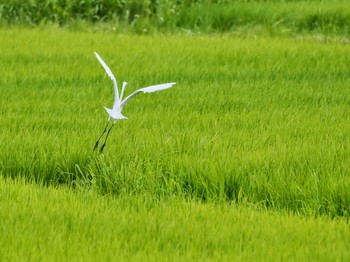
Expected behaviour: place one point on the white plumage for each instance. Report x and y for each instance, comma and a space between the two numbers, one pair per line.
119, 103
116, 112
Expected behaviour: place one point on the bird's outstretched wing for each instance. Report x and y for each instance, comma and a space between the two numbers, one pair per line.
148, 89
110, 74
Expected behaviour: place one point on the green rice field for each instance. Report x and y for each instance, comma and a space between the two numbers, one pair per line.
41, 224
246, 158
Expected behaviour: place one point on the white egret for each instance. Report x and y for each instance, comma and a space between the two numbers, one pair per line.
116, 112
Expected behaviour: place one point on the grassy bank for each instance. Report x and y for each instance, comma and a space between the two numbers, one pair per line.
326, 17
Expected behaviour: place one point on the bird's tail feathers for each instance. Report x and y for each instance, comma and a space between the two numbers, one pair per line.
115, 114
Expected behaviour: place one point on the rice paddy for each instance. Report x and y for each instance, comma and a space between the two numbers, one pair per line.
245, 158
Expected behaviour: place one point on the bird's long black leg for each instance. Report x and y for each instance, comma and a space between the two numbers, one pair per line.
103, 146
98, 140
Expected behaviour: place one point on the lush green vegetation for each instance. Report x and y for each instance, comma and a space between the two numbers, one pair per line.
261, 121
41, 224
145, 16
247, 157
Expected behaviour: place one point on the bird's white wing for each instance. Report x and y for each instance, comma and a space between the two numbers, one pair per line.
110, 74
121, 95
148, 89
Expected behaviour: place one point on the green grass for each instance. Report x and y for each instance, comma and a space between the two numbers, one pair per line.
55, 224
147, 16
246, 158
251, 120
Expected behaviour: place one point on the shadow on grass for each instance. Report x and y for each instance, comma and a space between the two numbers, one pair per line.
157, 180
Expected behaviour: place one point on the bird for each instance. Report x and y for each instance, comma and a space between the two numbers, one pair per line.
115, 113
